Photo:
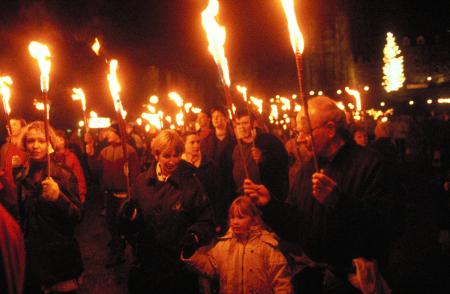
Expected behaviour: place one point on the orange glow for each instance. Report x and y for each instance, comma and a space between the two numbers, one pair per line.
297, 41
153, 119
78, 94
40, 106
99, 122
179, 118
5, 91
96, 47
114, 87
216, 35
41, 53
187, 107
154, 99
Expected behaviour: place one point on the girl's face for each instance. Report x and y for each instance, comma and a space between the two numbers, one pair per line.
36, 144
241, 224
168, 161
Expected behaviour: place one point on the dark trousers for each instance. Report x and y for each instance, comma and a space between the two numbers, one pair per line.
113, 205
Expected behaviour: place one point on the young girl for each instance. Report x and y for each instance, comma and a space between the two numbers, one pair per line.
246, 258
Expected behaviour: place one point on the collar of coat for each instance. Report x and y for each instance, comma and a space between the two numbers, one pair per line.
255, 232
184, 169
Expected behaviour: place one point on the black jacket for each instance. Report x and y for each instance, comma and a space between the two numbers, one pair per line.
52, 252
167, 212
358, 225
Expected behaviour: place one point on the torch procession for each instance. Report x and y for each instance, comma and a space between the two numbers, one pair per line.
182, 173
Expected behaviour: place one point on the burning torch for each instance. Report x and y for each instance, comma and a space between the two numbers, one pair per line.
41, 53
216, 35
298, 46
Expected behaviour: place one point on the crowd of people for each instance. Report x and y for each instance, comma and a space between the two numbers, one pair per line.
230, 207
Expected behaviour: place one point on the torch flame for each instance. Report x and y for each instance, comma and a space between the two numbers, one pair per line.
179, 118
196, 110
216, 35
357, 96
153, 119
114, 87
258, 103
173, 96
5, 90
96, 47
297, 41
78, 94
41, 53
243, 91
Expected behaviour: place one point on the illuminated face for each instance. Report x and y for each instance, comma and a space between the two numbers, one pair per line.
244, 127
168, 161
360, 138
322, 131
219, 120
59, 143
192, 145
203, 120
35, 144
240, 224
15, 127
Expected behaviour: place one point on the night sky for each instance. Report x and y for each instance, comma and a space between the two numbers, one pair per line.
169, 35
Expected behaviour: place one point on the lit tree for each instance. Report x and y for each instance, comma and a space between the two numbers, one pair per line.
393, 76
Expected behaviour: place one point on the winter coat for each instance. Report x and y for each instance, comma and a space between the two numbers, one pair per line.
166, 213
52, 252
252, 266
273, 168
110, 164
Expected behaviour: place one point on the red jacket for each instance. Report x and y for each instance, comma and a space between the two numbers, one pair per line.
72, 162
8, 151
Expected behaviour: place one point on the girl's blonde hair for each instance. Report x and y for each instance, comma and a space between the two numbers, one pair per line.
244, 206
36, 125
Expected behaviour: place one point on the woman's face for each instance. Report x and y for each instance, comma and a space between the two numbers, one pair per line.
192, 145
168, 161
35, 144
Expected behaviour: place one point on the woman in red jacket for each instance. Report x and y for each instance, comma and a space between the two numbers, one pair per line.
66, 157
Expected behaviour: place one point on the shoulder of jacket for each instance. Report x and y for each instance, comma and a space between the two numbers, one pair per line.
269, 238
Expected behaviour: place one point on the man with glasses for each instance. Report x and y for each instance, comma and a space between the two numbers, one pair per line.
337, 214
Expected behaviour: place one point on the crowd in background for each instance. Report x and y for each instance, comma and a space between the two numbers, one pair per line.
240, 203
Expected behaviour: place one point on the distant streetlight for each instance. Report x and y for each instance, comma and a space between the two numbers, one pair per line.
429, 78
339, 92
411, 102
429, 101
366, 88
311, 93
382, 104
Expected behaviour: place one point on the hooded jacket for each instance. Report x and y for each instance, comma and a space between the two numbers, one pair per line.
251, 266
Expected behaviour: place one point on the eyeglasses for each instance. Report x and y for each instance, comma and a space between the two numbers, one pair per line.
305, 131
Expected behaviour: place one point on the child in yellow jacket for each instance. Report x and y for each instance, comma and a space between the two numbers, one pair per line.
246, 259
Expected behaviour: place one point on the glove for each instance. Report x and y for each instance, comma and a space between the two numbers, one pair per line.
190, 244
